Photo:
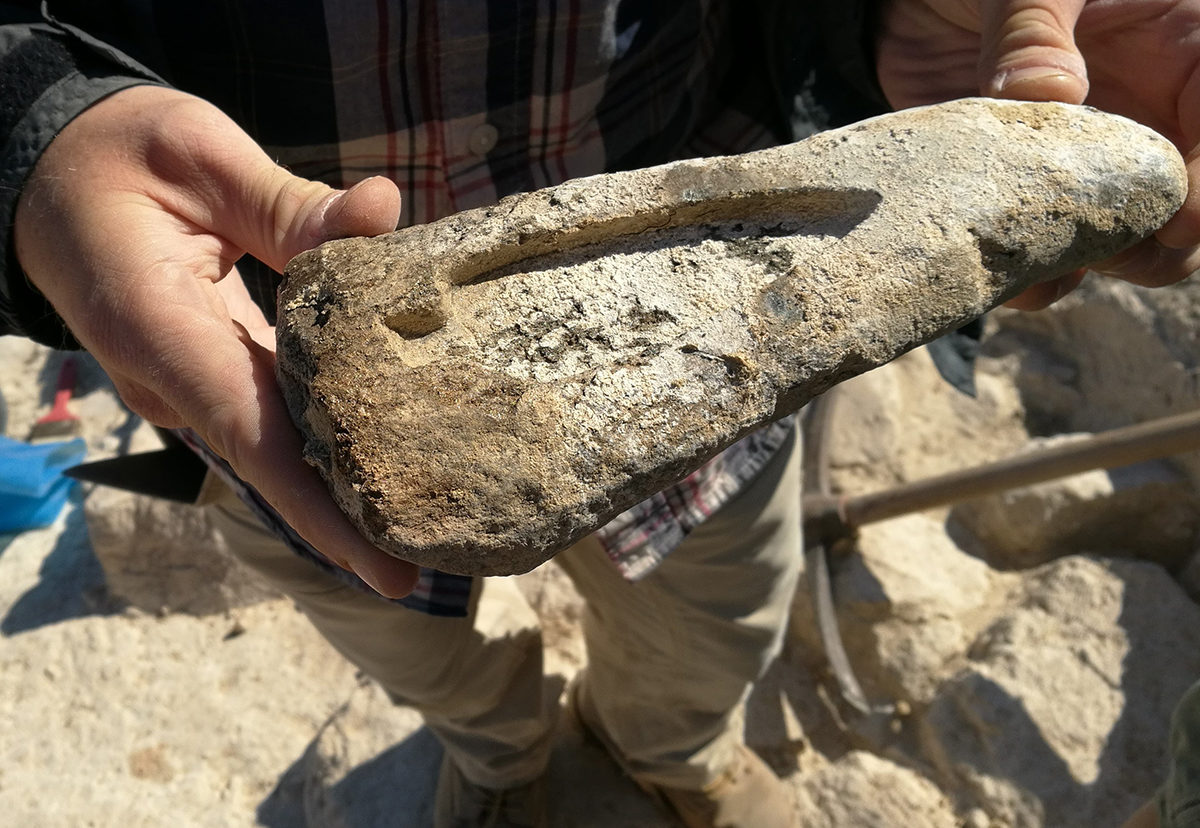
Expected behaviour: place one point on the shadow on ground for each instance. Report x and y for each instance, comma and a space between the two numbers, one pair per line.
70, 581
392, 789
395, 788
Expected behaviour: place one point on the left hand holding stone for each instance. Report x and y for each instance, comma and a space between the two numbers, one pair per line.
1137, 58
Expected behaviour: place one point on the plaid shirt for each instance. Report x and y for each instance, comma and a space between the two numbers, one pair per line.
462, 103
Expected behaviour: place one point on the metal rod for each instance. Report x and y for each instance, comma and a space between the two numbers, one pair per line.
1106, 450
816, 567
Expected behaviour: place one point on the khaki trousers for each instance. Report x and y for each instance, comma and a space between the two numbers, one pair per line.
1179, 799
671, 658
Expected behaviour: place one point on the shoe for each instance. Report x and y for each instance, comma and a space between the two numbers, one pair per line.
461, 804
747, 795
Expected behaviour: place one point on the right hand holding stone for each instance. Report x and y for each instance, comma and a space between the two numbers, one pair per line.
1137, 58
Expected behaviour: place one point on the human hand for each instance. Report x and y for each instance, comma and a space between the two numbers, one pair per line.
1138, 58
130, 225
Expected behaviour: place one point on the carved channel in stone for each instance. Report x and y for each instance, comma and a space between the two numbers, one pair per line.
809, 210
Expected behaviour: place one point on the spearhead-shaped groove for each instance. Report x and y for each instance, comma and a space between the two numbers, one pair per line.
482, 391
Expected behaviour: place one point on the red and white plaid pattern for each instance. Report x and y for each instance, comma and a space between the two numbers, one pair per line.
461, 108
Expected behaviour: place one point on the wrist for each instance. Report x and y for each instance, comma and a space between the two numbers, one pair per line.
36, 213
133, 149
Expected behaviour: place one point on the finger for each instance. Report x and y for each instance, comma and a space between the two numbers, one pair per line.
129, 257
370, 207
1045, 294
1029, 52
218, 380
258, 439
244, 311
1151, 264
1183, 230
223, 182
207, 171
282, 215
269, 455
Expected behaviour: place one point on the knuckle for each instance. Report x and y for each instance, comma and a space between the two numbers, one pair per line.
295, 200
225, 432
148, 405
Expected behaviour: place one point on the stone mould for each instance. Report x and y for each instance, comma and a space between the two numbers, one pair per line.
482, 391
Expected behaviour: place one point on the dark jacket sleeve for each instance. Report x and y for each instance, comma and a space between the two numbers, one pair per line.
50, 72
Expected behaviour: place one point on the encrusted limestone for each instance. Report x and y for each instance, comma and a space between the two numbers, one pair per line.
483, 390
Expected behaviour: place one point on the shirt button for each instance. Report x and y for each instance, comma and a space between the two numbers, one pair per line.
482, 139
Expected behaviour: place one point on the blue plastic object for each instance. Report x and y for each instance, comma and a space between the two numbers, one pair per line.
33, 489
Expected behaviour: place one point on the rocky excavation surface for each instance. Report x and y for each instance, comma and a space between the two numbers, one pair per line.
144, 683
481, 391
1031, 657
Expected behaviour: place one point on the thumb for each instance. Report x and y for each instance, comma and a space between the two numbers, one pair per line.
274, 215
369, 208
1028, 51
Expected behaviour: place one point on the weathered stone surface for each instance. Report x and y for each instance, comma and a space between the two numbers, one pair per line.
1039, 698
909, 604
900, 425
1058, 714
481, 391
1148, 510
1110, 354
119, 709
864, 789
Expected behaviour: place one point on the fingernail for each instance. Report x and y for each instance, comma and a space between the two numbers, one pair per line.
360, 218
362, 183
1039, 83
335, 200
333, 204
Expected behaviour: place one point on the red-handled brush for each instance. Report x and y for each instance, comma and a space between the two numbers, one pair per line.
59, 423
